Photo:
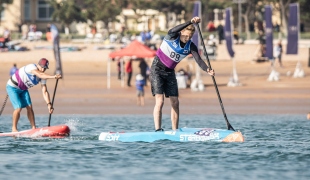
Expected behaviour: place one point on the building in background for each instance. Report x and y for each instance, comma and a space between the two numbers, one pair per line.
39, 12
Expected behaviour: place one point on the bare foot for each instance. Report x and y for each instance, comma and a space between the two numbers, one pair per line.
14, 130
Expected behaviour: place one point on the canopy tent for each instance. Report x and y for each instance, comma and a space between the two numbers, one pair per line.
134, 50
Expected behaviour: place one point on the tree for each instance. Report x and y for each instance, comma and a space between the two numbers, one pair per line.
282, 6
2, 7
304, 11
105, 11
67, 12
165, 6
249, 8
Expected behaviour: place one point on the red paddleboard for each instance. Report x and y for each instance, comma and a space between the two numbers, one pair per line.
51, 131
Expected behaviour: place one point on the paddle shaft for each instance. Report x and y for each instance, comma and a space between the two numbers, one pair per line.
4, 103
229, 127
49, 119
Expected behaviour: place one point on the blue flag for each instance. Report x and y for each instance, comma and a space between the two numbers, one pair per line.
228, 32
196, 12
293, 29
268, 32
55, 37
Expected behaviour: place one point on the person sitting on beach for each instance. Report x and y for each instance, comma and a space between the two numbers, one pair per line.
140, 89
175, 47
18, 85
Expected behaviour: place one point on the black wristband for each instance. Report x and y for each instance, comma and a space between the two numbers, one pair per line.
49, 103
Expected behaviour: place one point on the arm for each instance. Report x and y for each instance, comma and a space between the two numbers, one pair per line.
199, 61
46, 97
42, 75
175, 31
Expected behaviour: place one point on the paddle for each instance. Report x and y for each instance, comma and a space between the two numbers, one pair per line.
229, 127
49, 119
4, 103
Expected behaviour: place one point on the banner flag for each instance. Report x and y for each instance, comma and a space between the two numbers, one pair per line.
55, 37
228, 32
293, 29
196, 12
268, 32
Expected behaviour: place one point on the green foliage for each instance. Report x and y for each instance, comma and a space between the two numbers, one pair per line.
103, 10
67, 12
175, 6
304, 6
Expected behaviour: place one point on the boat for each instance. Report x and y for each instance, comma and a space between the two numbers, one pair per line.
180, 135
57, 131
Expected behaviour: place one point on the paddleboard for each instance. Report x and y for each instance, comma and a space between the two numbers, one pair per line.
51, 131
181, 135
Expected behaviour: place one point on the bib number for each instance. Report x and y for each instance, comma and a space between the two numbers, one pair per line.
175, 56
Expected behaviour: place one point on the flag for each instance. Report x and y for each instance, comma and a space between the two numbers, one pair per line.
293, 29
268, 32
228, 32
196, 12
55, 38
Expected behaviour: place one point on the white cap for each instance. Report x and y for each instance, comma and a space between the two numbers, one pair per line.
139, 77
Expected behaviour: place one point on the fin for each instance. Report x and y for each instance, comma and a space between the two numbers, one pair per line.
160, 129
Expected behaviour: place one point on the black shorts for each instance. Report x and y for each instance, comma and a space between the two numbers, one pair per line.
163, 80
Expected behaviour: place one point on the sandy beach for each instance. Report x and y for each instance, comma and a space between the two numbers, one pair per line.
83, 90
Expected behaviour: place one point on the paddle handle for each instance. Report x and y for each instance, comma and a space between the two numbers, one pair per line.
50, 115
229, 127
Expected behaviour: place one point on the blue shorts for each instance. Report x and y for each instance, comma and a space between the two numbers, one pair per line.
19, 98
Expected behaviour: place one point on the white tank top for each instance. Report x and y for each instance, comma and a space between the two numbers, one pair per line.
24, 78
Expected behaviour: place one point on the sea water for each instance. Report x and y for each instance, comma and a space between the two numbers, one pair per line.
275, 147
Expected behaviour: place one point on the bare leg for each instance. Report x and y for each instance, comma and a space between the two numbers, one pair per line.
159, 98
142, 100
30, 115
138, 101
174, 112
16, 116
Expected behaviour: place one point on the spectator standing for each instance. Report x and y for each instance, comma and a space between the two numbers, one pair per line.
220, 31
143, 37
210, 26
25, 31
128, 70
277, 52
119, 69
13, 69
143, 70
7, 37
262, 43
48, 33
140, 89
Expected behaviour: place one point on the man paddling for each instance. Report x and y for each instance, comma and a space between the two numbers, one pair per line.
18, 85
175, 47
